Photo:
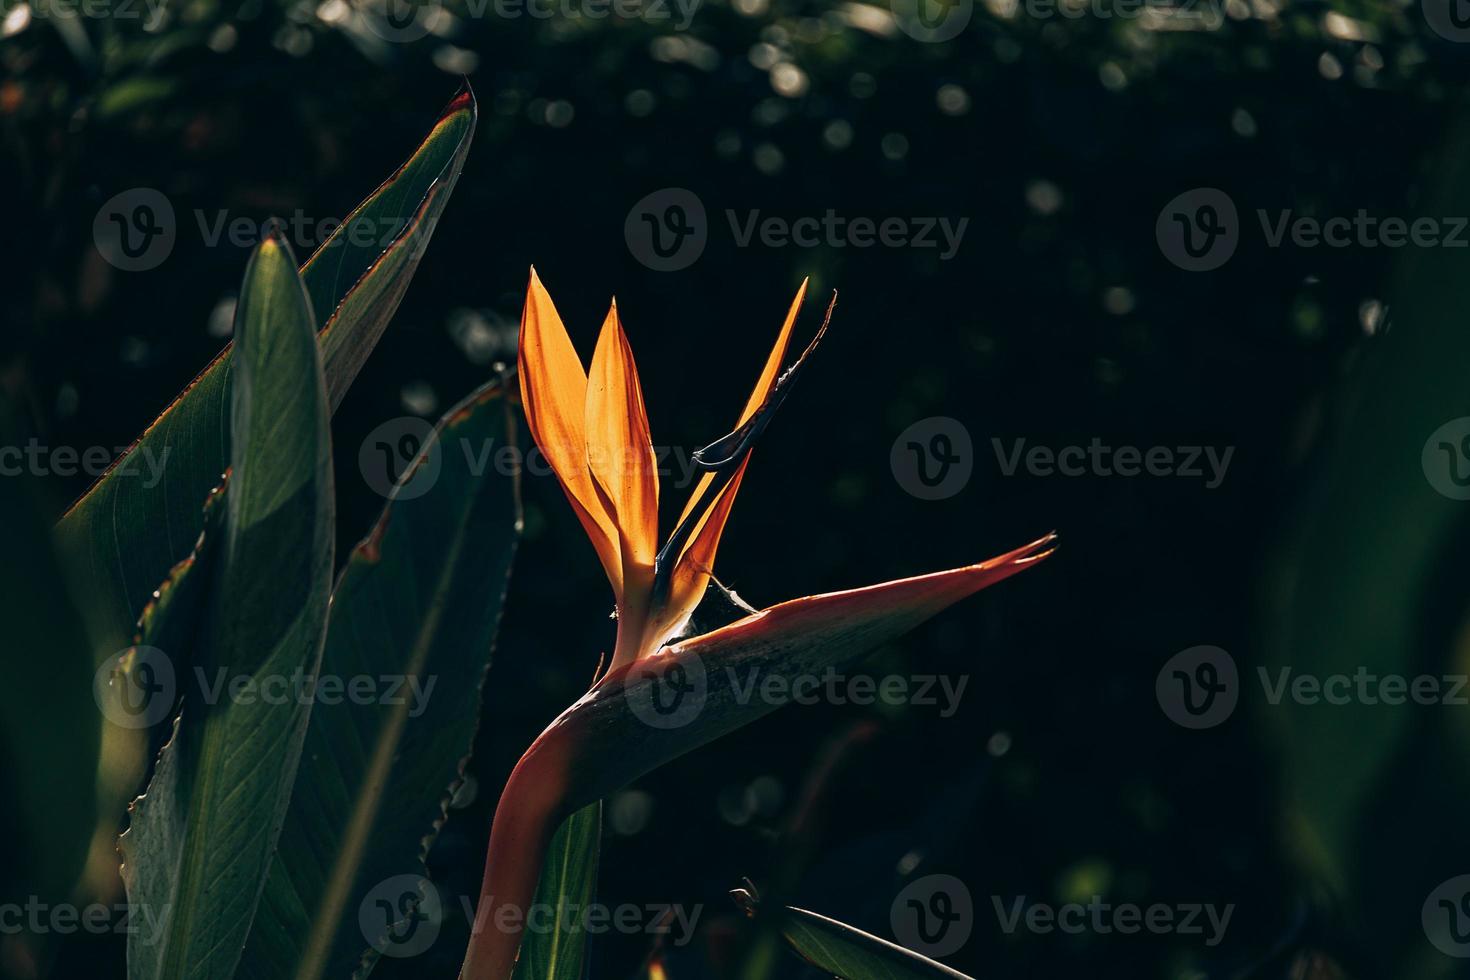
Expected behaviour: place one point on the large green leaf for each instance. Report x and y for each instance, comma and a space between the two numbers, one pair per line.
201, 839
841, 950
49, 729
554, 947
413, 620
123, 536
1372, 588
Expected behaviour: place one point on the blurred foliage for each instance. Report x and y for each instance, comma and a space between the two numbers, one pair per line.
1058, 321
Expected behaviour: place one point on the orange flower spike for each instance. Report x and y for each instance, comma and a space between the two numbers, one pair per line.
758, 396
693, 559
595, 435
554, 392
621, 459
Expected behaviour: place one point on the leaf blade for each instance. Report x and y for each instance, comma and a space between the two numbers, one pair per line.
852, 954
420, 600
200, 840
121, 538
568, 882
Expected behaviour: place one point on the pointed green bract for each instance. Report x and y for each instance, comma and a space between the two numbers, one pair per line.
121, 538
200, 841
415, 611
555, 946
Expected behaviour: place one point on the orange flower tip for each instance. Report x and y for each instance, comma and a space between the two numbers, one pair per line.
729, 450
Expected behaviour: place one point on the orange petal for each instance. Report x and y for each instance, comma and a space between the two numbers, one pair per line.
691, 573
554, 393
620, 451
758, 395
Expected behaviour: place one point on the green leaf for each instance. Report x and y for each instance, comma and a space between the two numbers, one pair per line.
414, 614
49, 730
568, 883
852, 954
123, 536
201, 839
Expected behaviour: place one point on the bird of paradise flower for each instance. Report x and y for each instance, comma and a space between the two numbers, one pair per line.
593, 429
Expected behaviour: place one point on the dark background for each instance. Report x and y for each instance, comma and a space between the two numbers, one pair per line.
1058, 320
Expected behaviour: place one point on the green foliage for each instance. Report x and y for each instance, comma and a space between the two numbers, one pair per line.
201, 840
